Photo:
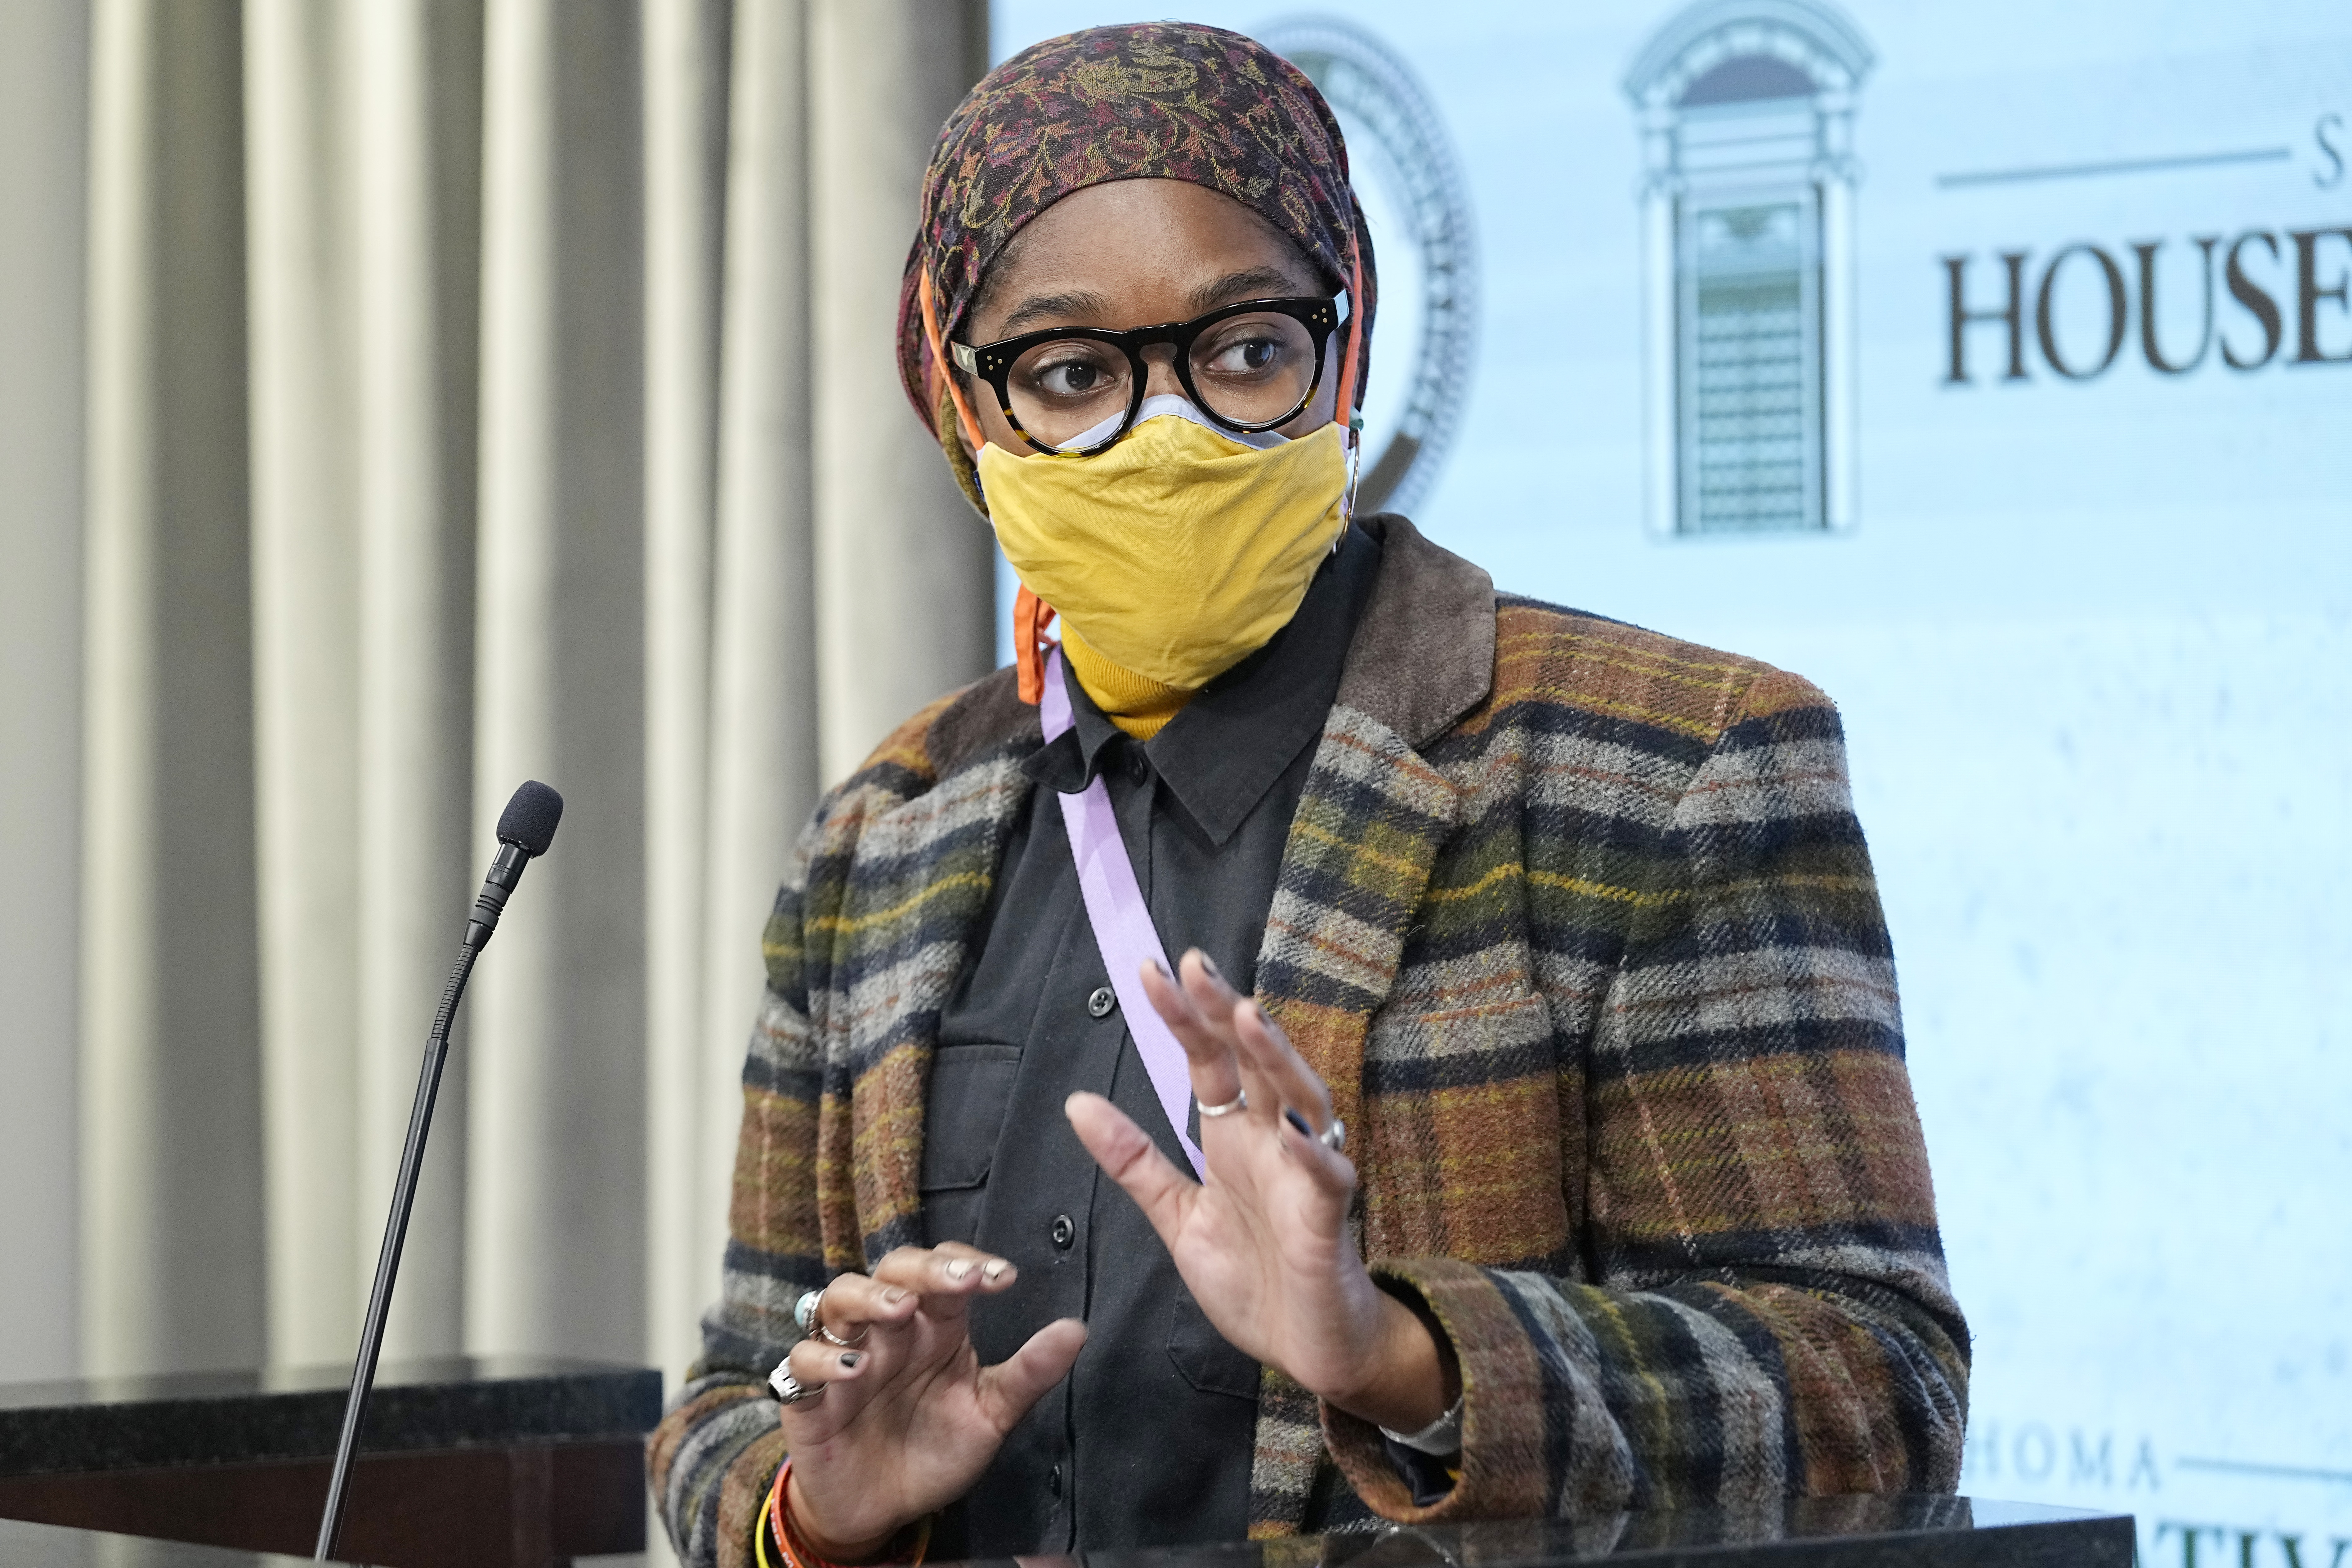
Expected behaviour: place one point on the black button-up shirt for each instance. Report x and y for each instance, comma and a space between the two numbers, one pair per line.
1149, 1440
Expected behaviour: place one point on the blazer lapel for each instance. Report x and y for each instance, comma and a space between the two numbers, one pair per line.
1368, 828
1374, 810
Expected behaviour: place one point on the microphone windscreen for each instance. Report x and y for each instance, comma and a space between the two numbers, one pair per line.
528, 821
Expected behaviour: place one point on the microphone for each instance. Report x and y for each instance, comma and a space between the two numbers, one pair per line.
526, 829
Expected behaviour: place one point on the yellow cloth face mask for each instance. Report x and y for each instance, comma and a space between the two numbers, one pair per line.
1179, 550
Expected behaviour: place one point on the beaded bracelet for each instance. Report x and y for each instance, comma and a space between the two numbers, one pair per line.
776, 1515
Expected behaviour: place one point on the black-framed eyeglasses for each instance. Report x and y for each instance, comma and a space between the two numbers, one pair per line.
1074, 391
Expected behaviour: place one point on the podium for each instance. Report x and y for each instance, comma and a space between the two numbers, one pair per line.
471, 1462
526, 1462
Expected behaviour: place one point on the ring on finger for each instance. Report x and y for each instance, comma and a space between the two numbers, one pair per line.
1334, 1137
1240, 1101
791, 1390
809, 1314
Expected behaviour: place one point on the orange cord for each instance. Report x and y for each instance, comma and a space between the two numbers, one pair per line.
1345, 409
1030, 644
1030, 613
939, 366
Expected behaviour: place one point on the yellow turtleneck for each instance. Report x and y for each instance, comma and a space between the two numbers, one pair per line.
1137, 704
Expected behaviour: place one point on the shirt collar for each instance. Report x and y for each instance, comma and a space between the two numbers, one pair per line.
1226, 748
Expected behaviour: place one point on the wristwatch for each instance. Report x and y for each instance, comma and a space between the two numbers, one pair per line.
1439, 1438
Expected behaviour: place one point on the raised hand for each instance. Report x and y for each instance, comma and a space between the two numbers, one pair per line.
1263, 1243
909, 1419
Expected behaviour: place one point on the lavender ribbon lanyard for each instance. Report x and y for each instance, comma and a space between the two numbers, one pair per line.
1122, 922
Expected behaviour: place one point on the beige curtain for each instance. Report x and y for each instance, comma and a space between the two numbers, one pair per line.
175, 1263
477, 390
44, 187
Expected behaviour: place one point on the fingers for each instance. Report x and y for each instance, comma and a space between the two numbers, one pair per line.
1208, 1046
878, 1314
945, 1277
1305, 1104
853, 1304
1202, 1011
1008, 1389
1232, 1047
1264, 1049
1273, 1072
817, 1365
1129, 1158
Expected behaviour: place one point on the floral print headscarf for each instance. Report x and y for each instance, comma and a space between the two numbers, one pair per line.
1144, 101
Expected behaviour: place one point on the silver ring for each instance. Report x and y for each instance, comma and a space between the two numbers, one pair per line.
791, 1390
1240, 1101
1334, 1137
808, 1312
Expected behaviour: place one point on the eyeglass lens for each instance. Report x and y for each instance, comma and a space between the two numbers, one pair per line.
1246, 370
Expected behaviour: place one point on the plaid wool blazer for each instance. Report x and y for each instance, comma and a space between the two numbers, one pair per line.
1577, 923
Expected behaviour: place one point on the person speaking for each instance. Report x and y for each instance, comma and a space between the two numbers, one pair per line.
1325, 1041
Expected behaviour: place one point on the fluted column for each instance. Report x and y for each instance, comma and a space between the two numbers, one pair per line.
685, 137
905, 574
555, 1254
44, 126
306, 665
172, 1195
415, 74
764, 743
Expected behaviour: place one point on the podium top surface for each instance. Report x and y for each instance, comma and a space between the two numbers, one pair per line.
1897, 1531
294, 1413
1818, 1532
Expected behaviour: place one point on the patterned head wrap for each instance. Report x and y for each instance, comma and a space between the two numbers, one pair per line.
1144, 101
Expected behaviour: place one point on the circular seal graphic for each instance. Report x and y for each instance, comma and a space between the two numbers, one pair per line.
1417, 206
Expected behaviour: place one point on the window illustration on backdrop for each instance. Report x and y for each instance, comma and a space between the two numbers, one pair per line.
1746, 111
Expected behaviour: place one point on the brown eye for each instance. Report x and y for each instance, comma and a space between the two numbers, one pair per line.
1248, 356
1071, 378
1065, 386
1255, 368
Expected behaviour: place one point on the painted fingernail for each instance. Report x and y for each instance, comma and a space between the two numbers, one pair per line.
892, 1296
849, 1360
1298, 1121
959, 1270
1210, 966
1157, 963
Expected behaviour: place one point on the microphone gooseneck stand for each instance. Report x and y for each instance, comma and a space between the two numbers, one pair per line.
525, 829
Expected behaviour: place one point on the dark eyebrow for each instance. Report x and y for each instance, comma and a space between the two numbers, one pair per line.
1080, 305
1051, 307
1252, 283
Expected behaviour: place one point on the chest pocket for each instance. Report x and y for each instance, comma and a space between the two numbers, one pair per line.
1508, 1074
963, 1112
1208, 1361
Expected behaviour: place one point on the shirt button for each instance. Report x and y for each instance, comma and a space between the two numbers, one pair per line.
1138, 766
1063, 1231
1099, 1004
1054, 1480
